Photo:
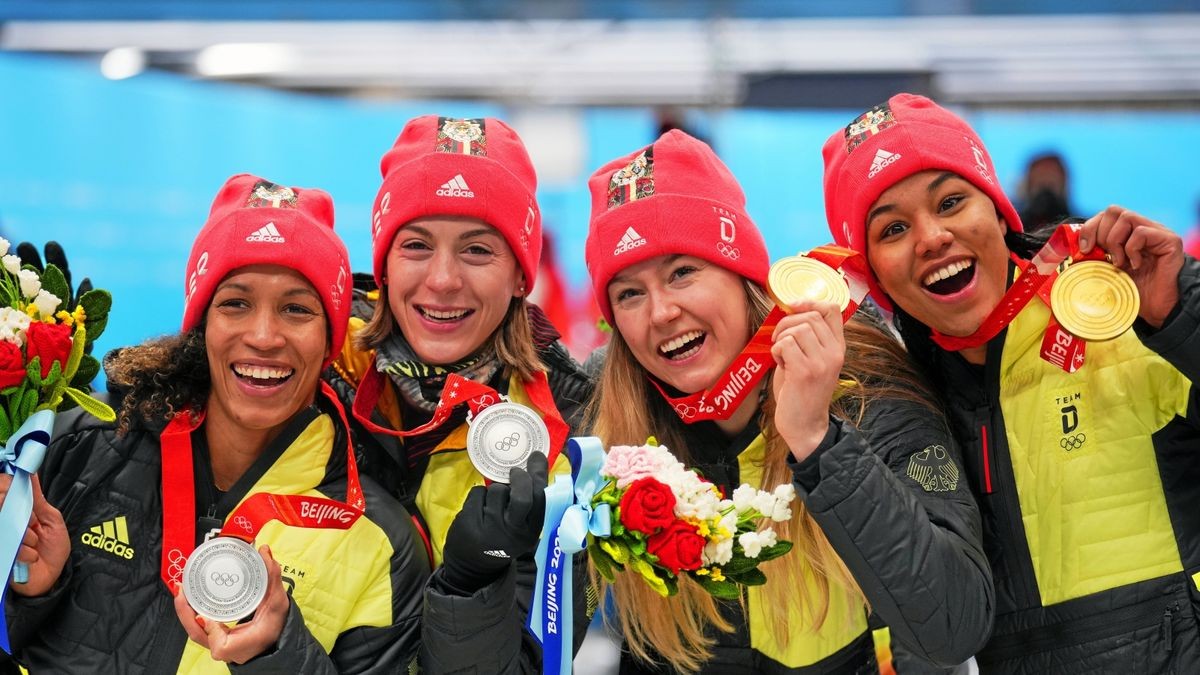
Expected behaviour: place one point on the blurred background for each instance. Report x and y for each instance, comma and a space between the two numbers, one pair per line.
120, 119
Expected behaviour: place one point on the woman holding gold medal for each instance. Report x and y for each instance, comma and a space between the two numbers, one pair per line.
227, 490
1079, 436
746, 395
456, 380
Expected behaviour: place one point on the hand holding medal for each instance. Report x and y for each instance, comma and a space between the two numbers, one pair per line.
251, 638
224, 579
798, 278
502, 435
815, 275
1094, 300
825, 274
808, 346
1147, 251
1090, 299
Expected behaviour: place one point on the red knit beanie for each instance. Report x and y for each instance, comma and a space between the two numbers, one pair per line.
256, 222
889, 143
477, 168
674, 197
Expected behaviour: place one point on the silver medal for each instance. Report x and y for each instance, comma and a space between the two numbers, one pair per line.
224, 579
502, 436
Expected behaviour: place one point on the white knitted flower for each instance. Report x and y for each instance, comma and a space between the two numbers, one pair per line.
764, 502
743, 496
752, 543
13, 324
782, 511
46, 303
30, 284
694, 498
718, 552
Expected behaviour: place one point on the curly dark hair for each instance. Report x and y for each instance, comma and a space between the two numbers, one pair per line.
159, 378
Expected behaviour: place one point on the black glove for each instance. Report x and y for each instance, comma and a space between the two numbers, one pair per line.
97, 306
496, 525
57, 257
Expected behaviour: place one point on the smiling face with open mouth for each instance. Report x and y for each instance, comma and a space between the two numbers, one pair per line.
266, 337
450, 282
936, 244
684, 319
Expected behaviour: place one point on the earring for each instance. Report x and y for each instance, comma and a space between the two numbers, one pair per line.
521, 290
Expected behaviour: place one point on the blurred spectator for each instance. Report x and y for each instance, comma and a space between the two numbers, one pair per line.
670, 117
553, 294
1045, 197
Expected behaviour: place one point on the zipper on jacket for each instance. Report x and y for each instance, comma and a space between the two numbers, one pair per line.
1168, 631
987, 460
1003, 480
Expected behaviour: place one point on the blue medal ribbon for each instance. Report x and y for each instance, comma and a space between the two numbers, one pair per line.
570, 516
20, 457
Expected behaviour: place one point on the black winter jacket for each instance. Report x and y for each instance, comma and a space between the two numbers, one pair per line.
1106, 613
484, 632
110, 611
891, 500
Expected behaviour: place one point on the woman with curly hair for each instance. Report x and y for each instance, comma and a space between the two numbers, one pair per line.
679, 269
215, 422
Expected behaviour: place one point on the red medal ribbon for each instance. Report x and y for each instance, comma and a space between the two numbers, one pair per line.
179, 498
1037, 277
721, 400
455, 392
295, 510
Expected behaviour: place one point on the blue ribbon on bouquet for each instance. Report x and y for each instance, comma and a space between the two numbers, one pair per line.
20, 457
569, 518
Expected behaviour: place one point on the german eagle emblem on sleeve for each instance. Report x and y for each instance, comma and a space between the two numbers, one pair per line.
933, 469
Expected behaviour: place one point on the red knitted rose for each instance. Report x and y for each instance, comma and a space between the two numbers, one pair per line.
12, 366
647, 506
51, 341
678, 547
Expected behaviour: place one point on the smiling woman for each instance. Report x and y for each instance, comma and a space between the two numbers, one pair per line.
937, 245
840, 415
216, 424
266, 337
457, 237
1085, 467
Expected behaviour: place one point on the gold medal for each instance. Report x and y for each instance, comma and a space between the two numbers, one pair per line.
797, 278
1094, 300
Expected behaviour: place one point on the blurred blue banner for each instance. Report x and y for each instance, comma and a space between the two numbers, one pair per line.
122, 173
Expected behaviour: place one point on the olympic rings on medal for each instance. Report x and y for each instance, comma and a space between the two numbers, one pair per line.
224, 579
507, 443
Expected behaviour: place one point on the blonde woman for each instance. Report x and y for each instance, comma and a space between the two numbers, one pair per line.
884, 524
